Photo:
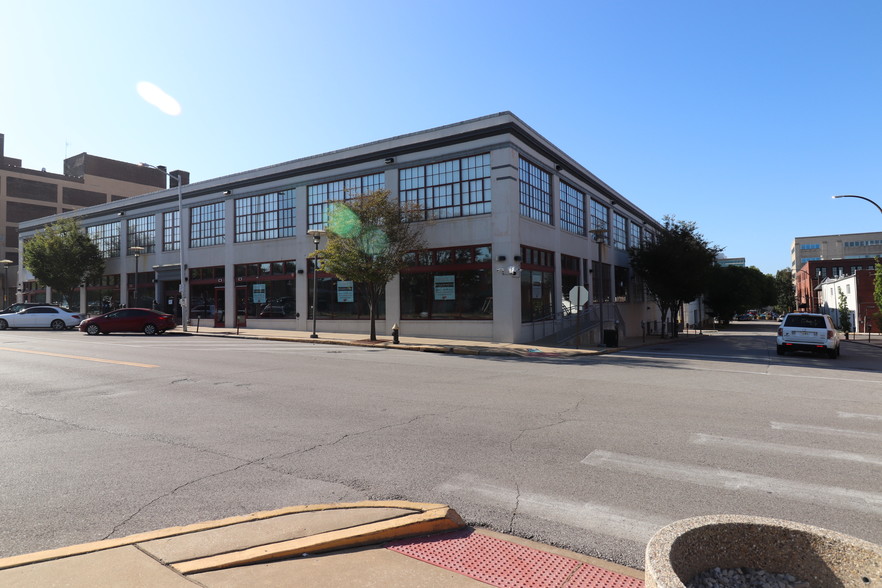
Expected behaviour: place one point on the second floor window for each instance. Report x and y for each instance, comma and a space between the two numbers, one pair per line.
535, 188
207, 225
267, 216
171, 231
106, 237
141, 232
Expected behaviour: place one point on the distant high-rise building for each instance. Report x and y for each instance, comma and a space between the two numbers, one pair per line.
87, 180
826, 247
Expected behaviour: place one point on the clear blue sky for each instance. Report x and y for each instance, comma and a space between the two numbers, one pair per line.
745, 117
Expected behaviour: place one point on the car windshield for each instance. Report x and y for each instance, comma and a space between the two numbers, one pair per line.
805, 321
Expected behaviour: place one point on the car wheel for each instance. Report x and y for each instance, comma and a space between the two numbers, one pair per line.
150, 329
780, 349
58, 325
833, 353
3, 325
93, 330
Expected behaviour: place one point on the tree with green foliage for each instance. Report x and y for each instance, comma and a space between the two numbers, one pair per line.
786, 293
674, 266
733, 290
369, 238
62, 257
844, 314
877, 293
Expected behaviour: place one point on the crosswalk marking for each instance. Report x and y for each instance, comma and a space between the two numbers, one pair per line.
870, 502
826, 431
750, 445
854, 415
632, 525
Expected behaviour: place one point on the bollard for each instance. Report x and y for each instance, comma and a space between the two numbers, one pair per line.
395, 334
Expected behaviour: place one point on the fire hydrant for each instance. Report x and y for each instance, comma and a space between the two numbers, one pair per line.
395, 334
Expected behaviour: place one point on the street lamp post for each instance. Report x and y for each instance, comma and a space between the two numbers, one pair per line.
316, 238
6, 263
600, 238
861, 197
137, 251
184, 303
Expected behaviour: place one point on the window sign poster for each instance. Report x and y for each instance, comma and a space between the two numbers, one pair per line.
258, 293
345, 291
445, 288
537, 285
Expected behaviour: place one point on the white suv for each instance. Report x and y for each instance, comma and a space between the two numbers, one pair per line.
802, 331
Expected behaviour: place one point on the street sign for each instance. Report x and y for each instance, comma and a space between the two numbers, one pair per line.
578, 296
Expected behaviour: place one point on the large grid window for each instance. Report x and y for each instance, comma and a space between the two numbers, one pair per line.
459, 187
572, 209
267, 216
106, 237
636, 237
207, 225
171, 231
141, 232
535, 188
320, 196
620, 231
599, 216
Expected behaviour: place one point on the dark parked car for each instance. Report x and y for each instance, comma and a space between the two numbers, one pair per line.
129, 320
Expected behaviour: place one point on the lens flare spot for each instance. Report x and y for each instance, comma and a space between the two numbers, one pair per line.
374, 241
342, 221
153, 94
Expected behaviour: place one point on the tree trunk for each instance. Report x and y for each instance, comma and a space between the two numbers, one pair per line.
372, 308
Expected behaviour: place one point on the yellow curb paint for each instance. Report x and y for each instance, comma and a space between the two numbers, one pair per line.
80, 357
84, 548
431, 521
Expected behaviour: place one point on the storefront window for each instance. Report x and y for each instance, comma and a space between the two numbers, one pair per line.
341, 299
270, 291
449, 283
103, 296
537, 283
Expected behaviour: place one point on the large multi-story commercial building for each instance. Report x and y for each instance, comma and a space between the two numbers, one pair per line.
511, 224
827, 247
88, 180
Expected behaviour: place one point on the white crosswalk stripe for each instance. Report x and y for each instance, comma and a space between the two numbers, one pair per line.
869, 502
633, 525
826, 431
762, 447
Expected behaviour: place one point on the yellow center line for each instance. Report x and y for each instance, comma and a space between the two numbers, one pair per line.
143, 365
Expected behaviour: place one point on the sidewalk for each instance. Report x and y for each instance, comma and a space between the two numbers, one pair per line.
392, 544
426, 344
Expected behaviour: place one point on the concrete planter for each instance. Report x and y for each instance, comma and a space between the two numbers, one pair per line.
818, 556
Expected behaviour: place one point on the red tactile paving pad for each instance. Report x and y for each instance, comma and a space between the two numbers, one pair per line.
506, 564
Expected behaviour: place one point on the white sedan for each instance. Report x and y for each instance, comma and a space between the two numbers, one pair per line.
40, 317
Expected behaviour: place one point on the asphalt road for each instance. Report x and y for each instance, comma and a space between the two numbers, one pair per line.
108, 436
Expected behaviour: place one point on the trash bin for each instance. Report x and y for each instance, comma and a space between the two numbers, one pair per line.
611, 337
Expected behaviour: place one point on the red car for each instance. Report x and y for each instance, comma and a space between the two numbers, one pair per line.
129, 320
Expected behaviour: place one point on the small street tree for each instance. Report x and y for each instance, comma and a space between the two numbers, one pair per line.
844, 314
877, 293
674, 266
785, 292
62, 257
369, 238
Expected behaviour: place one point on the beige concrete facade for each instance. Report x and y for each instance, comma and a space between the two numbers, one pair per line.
505, 229
825, 247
